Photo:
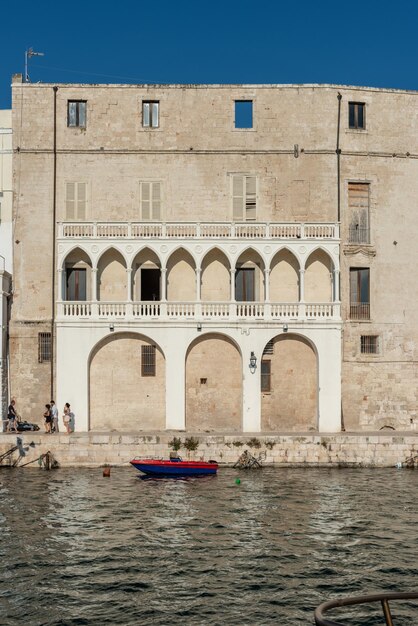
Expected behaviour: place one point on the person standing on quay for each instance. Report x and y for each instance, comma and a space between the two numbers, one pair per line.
12, 417
69, 418
48, 418
54, 415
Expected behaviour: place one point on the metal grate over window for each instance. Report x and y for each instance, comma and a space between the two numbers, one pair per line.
265, 376
148, 361
369, 344
44, 347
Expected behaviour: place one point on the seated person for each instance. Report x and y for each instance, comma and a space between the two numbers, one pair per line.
174, 456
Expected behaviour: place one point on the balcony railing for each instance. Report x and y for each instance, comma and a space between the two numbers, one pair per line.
194, 230
209, 311
360, 311
358, 235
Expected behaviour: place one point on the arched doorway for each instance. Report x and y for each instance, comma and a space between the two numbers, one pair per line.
213, 385
289, 385
127, 384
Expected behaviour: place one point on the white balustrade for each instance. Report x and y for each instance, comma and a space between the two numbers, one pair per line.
194, 230
284, 311
112, 309
180, 309
215, 310
146, 309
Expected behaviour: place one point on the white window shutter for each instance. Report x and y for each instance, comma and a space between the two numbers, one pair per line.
81, 201
156, 201
250, 198
238, 197
154, 115
145, 201
145, 114
70, 201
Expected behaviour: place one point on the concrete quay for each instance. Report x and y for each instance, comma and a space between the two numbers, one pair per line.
95, 449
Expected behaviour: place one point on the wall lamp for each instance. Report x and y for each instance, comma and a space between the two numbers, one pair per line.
253, 363
199, 327
111, 327
285, 328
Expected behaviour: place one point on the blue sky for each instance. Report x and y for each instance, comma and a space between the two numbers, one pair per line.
370, 43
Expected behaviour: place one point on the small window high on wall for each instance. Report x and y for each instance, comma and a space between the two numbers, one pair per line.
150, 113
76, 113
243, 113
357, 115
244, 198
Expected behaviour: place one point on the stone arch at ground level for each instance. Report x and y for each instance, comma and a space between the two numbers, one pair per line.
213, 384
122, 395
291, 403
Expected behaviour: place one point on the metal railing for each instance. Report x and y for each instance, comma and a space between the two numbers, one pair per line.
358, 235
382, 598
196, 230
360, 311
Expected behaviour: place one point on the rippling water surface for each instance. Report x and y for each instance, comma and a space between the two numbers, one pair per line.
77, 548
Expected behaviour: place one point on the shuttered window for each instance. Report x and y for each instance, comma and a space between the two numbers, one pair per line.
244, 198
150, 114
75, 201
359, 208
150, 200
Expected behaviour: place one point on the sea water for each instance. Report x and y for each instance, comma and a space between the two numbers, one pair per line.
77, 548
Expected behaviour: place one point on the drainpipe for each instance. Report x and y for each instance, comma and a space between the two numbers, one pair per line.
54, 222
338, 151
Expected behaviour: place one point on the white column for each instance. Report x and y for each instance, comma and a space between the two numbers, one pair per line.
251, 396
336, 285
328, 344
198, 284
94, 284
61, 290
267, 285
301, 285
232, 273
175, 363
129, 281
163, 284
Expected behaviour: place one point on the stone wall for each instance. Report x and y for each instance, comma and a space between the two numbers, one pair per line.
88, 449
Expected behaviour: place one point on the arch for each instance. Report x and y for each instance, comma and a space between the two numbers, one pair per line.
213, 384
181, 276
146, 275
71, 254
112, 276
290, 400
284, 277
250, 276
318, 276
215, 277
121, 397
77, 273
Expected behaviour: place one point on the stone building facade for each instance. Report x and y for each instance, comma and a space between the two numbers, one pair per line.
228, 258
6, 258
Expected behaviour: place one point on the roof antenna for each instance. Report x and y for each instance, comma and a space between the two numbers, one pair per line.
28, 54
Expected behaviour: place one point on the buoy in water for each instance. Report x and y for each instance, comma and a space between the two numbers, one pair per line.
106, 472
237, 481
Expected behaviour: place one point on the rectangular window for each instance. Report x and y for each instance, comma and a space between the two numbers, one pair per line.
150, 113
76, 284
359, 209
44, 347
243, 113
75, 201
359, 293
76, 113
369, 344
245, 285
150, 200
148, 361
357, 115
265, 376
244, 198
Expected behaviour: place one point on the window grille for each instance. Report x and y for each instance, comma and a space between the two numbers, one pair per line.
269, 349
265, 376
148, 361
359, 208
369, 344
44, 347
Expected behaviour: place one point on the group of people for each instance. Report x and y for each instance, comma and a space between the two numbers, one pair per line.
51, 418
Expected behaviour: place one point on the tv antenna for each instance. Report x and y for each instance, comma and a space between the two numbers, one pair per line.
28, 54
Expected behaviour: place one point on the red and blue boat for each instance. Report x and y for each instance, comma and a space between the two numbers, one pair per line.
175, 468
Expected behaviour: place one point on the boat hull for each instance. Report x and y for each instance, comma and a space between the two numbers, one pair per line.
152, 467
